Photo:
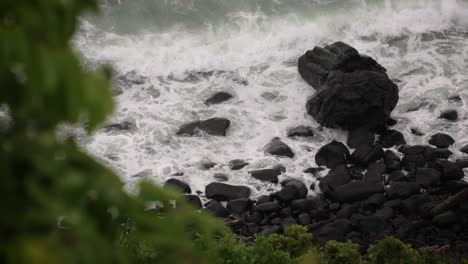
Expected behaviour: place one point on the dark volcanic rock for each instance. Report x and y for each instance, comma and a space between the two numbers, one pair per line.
441, 140
122, 126
397, 176
365, 154
360, 136
336, 230
237, 164
239, 206
450, 170
427, 177
357, 190
332, 154
221, 177
445, 219
301, 131
225, 192
375, 172
267, 207
213, 126
335, 178
464, 149
402, 190
178, 185
391, 161
298, 185
278, 148
451, 115
193, 200
392, 138
354, 99
218, 98
217, 209
270, 175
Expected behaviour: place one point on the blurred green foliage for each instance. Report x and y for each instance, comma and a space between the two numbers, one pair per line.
342, 253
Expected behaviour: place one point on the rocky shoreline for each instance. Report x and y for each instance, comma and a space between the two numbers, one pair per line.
377, 185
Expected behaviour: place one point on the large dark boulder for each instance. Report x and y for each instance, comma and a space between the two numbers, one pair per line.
360, 136
357, 190
178, 185
239, 206
336, 230
213, 126
225, 192
301, 131
402, 190
355, 99
335, 178
276, 147
365, 154
217, 209
218, 98
353, 90
332, 154
268, 175
441, 140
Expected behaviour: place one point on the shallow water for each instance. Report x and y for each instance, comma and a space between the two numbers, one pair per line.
250, 48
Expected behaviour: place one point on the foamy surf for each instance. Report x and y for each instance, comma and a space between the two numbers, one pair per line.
250, 49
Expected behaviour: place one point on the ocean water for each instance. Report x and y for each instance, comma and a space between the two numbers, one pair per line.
190, 49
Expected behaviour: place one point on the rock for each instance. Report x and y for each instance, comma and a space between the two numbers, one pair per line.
335, 178
255, 217
264, 199
370, 224
287, 194
288, 221
414, 205
178, 185
365, 154
332, 155
464, 149
375, 172
315, 65
455, 186
193, 200
221, 177
127, 125
218, 98
335, 230
250, 229
395, 204
268, 175
239, 206
346, 211
373, 202
213, 126
278, 148
269, 230
450, 170
392, 138
153, 92
354, 99
132, 77
427, 177
360, 136
397, 176
391, 122
441, 140
301, 131
237, 164
416, 132
402, 190
304, 204
304, 219
334, 207
267, 207
417, 156
385, 213
450, 115
314, 171
445, 219
225, 192
391, 160
217, 209
356, 191
207, 165
298, 185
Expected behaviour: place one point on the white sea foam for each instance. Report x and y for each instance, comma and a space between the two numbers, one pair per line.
424, 44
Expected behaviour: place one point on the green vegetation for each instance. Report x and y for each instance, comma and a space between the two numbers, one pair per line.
61, 206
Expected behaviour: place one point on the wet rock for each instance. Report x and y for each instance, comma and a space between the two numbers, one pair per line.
414, 205
237, 164
360, 136
450, 170
446, 219
217, 209
346, 211
221, 177
132, 77
427, 177
178, 185
450, 115
392, 122
304, 219
207, 165
397, 176
267, 207
225, 192
193, 200
373, 202
122, 126
288, 221
301, 131
375, 172
255, 217
304, 204
213, 126
365, 154
314, 171
441, 140
403, 190
416, 132
417, 156
357, 190
455, 186
392, 138
278, 148
464, 149
336, 230
239, 206
298, 185
391, 160
155, 93
332, 155
264, 199
218, 98
269, 175
143, 174
335, 178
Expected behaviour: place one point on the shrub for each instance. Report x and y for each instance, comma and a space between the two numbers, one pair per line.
296, 240
338, 253
392, 251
